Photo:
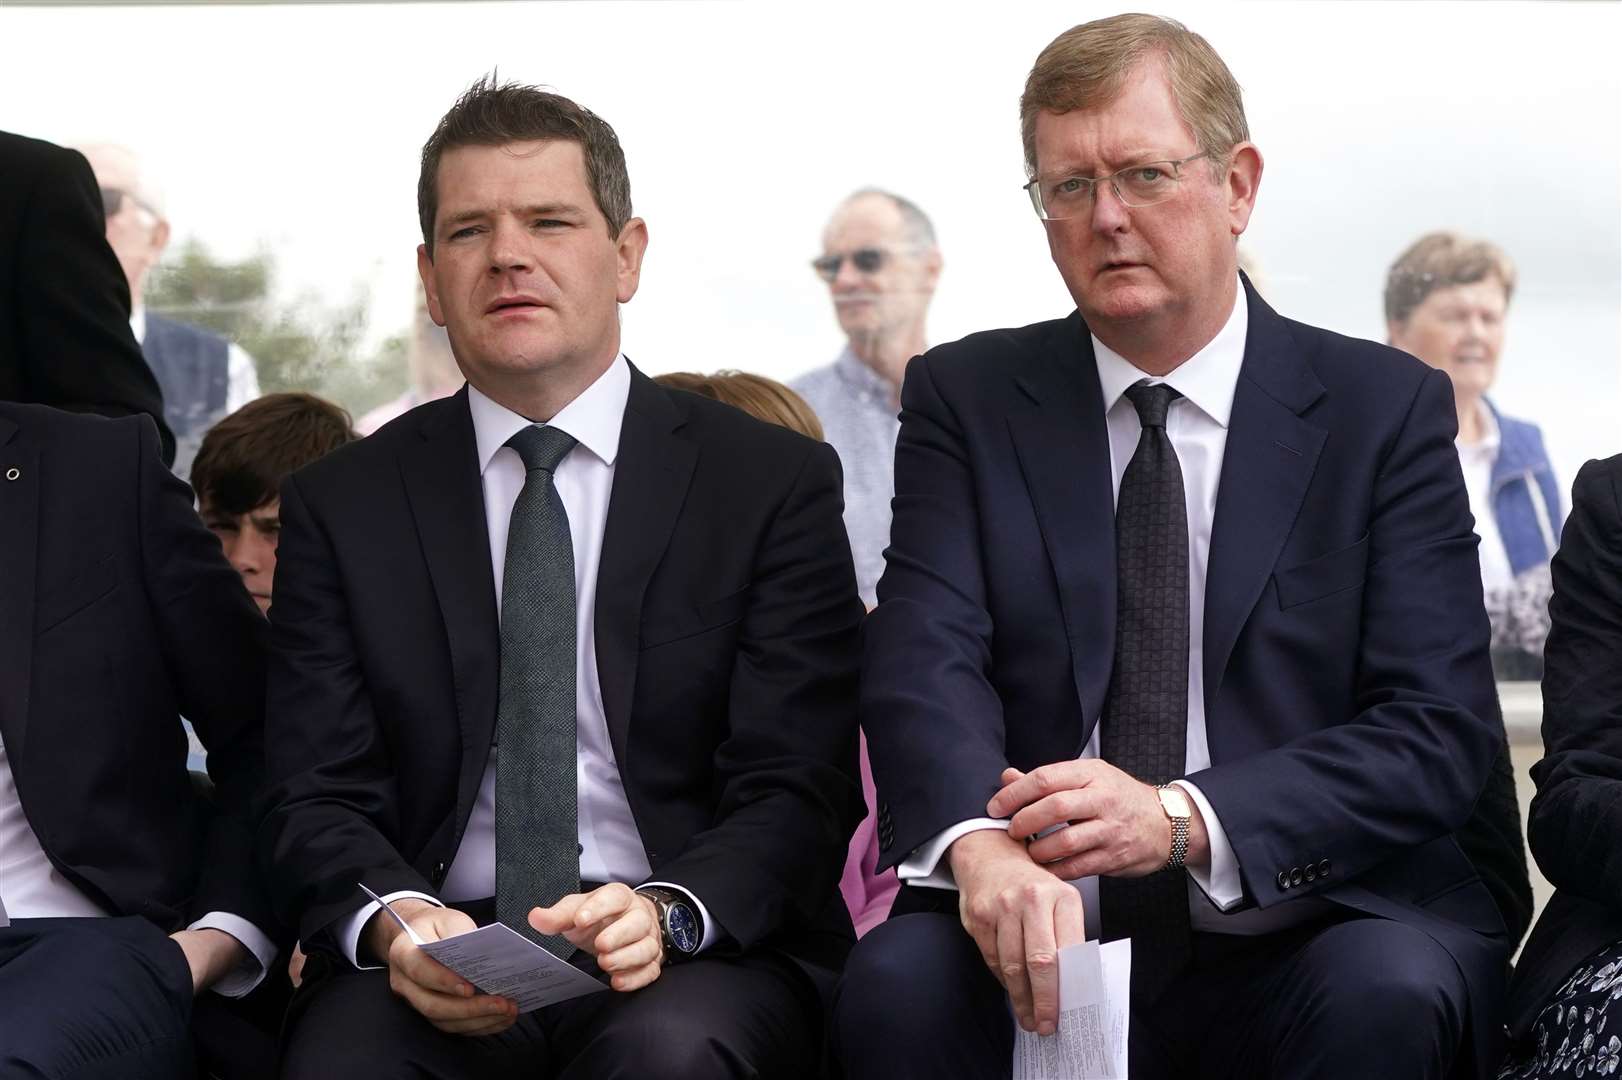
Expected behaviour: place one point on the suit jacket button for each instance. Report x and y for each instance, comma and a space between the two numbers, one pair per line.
1296, 877
1323, 868
439, 871
1283, 879
579, 849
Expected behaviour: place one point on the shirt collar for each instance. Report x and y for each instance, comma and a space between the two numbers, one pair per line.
1207, 379
853, 370
1492, 436
593, 418
138, 323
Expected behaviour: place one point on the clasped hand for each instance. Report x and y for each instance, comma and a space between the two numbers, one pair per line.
1015, 899
614, 923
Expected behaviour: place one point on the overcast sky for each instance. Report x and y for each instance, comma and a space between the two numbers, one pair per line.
298, 128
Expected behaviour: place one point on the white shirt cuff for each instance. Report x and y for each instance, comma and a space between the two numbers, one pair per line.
927, 868
1220, 881
348, 932
710, 933
250, 972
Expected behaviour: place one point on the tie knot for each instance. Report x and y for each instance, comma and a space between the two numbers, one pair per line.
1152, 401
542, 446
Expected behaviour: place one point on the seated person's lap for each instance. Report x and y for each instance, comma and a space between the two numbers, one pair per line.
94, 998
1323, 1001
712, 1017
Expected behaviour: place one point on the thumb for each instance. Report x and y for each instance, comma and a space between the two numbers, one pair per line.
557, 918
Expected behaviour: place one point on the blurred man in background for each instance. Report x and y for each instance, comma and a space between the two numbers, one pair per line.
881, 263
202, 375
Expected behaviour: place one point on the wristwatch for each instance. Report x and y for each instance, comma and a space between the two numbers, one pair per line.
1174, 801
679, 924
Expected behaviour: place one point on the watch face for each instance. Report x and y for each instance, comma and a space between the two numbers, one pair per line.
1175, 802
683, 928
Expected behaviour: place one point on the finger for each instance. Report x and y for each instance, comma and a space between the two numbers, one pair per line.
484, 1025
1009, 775
420, 969
637, 979
604, 904
1070, 841
445, 1007
984, 932
1060, 808
1037, 784
1011, 966
1042, 966
1069, 920
634, 925
636, 955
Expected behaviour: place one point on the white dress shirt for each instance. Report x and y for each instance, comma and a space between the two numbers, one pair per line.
1197, 424
1477, 460
610, 845
31, 887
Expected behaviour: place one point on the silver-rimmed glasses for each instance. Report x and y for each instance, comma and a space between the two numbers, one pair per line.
1144, 184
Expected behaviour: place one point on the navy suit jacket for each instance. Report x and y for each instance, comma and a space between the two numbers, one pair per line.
727, 652
1349, 703
118, 615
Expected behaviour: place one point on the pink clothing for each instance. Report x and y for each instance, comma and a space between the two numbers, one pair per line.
868, 895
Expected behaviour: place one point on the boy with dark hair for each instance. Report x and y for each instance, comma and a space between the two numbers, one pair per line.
239, 469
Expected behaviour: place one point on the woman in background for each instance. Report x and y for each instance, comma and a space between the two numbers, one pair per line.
1446, 299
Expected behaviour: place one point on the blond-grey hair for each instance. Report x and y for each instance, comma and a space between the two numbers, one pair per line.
1087, 65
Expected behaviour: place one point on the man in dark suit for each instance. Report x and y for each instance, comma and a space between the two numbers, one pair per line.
1575, 827
65, 335
121, 614
567, 650
1180, 640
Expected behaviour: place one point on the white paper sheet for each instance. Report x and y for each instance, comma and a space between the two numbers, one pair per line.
498, 960
1095, 984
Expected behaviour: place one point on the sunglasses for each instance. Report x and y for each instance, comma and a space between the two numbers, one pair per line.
112, 201
866, 260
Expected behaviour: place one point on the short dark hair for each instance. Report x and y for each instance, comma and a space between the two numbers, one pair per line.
494, 114
245, 457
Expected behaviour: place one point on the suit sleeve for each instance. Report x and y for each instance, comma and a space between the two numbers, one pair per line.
214, 642
1576, 816
73, 305
786, 772
1409, 762
927, 697
331, 795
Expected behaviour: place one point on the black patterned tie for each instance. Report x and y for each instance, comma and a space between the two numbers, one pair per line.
1145, 720
537, 835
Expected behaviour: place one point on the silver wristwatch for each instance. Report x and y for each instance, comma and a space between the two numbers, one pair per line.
1174, 801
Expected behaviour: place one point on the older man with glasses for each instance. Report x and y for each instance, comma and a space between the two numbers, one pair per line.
1180, 640
880, 261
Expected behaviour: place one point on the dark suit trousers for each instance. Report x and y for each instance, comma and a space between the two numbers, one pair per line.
712, 1018
1347, 1000
93, 999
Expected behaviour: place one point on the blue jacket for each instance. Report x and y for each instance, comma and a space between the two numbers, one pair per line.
1524, 495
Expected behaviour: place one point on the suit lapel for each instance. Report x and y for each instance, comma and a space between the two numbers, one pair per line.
19, 531
1063, 447
651, 473
1269, 461
442, 482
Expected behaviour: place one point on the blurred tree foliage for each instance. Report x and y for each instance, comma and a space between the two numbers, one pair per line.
304, 344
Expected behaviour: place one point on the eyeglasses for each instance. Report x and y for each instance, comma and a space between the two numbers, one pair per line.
867, 260
1136, 185
112, 201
